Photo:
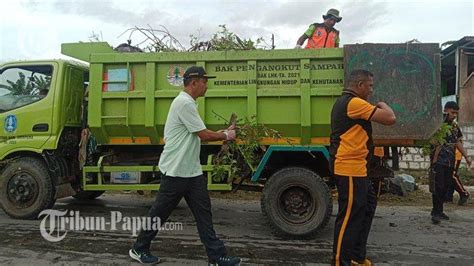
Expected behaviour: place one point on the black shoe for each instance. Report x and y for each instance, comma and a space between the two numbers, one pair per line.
435, 219
443, 216
143, 257
463, 200
226, 261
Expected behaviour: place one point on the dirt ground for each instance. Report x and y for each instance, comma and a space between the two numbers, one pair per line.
402, 234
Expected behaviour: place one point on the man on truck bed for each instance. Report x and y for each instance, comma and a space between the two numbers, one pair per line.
322, 35
350, 151
182, 173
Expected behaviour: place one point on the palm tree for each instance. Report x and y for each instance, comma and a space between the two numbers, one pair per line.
40, 83
20, 87
24, 87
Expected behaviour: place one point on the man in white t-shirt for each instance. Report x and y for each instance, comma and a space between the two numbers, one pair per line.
182, 173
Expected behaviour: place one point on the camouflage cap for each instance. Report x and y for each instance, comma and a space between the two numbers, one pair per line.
333, 13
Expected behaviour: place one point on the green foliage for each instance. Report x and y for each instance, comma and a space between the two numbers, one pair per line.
241, 158
19, 87
27, 86
40, 83
161, 40
224, 40
438, 138
224, 166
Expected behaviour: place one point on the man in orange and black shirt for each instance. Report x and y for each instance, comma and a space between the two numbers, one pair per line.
443, 162
350, 150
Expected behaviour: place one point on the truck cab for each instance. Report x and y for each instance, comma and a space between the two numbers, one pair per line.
40, 110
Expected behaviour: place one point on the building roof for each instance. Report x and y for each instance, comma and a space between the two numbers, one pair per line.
465, 41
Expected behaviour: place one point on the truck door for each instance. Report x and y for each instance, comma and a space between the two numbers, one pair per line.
26, 106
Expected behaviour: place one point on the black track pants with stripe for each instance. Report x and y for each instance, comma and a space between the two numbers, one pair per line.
357, 203
455, 184
443, 178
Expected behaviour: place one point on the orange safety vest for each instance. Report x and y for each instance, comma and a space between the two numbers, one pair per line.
321, 38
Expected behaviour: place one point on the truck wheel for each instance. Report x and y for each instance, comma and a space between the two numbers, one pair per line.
53, 199
297, 203
88, 195
26, 188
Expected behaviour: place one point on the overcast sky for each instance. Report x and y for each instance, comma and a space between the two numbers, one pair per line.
35, 29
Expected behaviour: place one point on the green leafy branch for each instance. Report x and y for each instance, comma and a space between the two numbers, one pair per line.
223, 40
240, 159
161, 40
437, 139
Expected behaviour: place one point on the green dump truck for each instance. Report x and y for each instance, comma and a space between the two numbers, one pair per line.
123, 98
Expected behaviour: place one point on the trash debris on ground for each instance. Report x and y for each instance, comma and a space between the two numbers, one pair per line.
402, 184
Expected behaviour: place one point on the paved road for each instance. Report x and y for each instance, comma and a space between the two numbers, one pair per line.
400, 236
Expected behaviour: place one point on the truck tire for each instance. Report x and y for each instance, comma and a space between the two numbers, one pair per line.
297, 203
88, 195
53, 199
26, 188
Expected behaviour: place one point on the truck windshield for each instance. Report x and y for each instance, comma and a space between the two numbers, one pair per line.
23, 85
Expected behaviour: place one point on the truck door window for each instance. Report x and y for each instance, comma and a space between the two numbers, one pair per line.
23, 85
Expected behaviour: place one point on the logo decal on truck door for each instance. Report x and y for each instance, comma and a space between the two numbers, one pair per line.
10, 123
175, 76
